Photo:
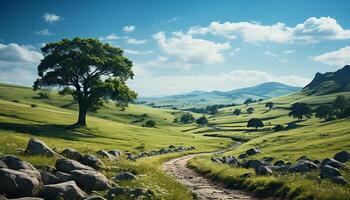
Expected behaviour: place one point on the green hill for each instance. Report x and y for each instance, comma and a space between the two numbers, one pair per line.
330, 82
201, 98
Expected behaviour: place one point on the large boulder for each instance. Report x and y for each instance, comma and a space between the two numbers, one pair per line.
66, 190
329, 172
299, 168
340, 180
125, 176
13, 162
253, 151
342, 156
66, 165
3, 165
89, 180
92, 161
72, 154
48, 178
16, 184
243, 156
131, 157
116, 153
279, 163
63, 177
333, 163
38, 147
105, 154
263, 171
128, 192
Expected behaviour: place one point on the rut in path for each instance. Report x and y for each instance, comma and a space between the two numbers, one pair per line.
200, 185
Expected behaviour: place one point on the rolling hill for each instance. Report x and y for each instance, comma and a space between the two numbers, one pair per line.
202, 98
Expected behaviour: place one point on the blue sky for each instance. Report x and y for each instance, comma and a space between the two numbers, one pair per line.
180, 46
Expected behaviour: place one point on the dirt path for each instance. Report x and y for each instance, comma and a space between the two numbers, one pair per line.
202, 186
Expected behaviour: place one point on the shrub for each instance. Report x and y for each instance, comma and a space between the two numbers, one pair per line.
237, 111
187, 118
255, 122
16, 101
33, 105
250, 110
150, 123
202, 121
278, 127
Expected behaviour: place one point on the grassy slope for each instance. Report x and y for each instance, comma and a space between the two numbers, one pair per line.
107, 129
312, 137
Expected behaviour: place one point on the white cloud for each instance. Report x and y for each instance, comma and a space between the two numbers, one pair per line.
337, 58
148, 85
51, 18
269, 53
289, 51
136, 52
129, 28
312, 30
135, 41
43, 32
18, 64
184, 48
235, 51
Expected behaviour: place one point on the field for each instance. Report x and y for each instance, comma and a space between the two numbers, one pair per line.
23, 114
312, 137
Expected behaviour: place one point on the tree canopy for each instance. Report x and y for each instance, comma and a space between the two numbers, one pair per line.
248, 101
300, 110
187, 118
202, 121
92, 72
255, 122
237, 111
325, 112
250, 110
269, 105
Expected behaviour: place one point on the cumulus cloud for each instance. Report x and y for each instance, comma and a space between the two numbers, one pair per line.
337, 58
312, 30
289, 51
128, 29
44, 32
135, 41
136, 52
189, 50
18, 64
51, 18
275, 55
148, 85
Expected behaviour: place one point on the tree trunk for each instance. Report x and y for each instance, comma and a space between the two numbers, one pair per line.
82, 115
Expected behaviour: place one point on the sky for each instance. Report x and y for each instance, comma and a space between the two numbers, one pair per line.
185, 45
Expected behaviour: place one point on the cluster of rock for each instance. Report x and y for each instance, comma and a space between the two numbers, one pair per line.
170, 149
73, 177
329, 168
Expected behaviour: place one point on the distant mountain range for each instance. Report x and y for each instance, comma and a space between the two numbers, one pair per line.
330, 82
203, 98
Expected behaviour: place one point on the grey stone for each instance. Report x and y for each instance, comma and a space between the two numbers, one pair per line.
342, 156
279, 162
116, 153
38, 147
48, 178
95, 197
63, 177
92, 161
66, 190
263, 171
66, 165
128, 192
125, 176
243, 156
339, 180
253, 151
105, 154
329, 172
72, 154
299, 168
89, 180
334, 163
13, 162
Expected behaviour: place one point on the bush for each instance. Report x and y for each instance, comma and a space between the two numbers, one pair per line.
237, 111
278, 127
202, 121
187, 118
250, 110
33, 105
255, 122
150, 123
16, 101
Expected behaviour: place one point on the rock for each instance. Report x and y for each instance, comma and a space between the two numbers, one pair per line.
13, 162
192, 148
280, 168
263, 171
216, 160
333, 163
129, 192
130, 157
105, 154
301, 158
38, 147
48, 178
72, 154
268, 159
243, 156
309, 164
299, 168
253, 151
32, 173
45, 168
3, 165
95, 198
342, 156
16, 184
279, 162
339, 180
329, 172
66, 165
116, 153
66, 190
172, 146
26, 198
90, 180
125, 176
92, 161
255, 164
63, 177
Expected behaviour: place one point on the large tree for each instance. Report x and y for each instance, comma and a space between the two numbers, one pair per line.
255, 122
326, 112
300, 110
269, 105
92, 72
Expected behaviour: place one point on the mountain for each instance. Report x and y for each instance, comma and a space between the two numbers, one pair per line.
330, 82
202, 98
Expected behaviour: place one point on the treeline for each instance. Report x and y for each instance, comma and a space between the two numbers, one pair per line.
211, 109
188, 118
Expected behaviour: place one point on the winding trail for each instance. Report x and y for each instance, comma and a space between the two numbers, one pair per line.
205, 188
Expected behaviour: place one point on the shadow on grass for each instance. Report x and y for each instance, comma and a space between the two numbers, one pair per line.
68, 132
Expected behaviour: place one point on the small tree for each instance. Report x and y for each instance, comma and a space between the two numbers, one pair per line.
187, 118
92, 72
248, 101
237, 111
278, 127
340, 105
202, 121
300, 110
250, 110
255, 122
324, 112
150, 123
269, 105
